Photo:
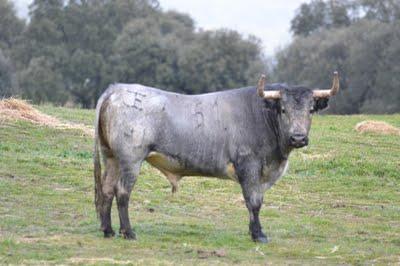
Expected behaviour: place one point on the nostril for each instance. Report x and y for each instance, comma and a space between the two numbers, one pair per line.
296, 138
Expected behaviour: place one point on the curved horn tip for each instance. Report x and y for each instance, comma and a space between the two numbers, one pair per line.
336, 84
332, 91
272, 95
261, 85
262, 79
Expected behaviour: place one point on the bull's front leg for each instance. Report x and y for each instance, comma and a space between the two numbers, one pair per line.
253, 193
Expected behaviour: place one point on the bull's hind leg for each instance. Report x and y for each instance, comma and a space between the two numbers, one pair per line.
129, 171
109, 181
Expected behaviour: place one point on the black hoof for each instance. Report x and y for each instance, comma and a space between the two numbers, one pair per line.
109, 233
261, 239
129, 235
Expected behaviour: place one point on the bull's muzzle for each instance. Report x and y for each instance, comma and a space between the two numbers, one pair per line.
298, 140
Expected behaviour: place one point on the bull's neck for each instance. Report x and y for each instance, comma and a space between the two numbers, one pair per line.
276, 137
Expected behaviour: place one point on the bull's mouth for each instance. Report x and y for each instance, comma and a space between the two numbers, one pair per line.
298, 145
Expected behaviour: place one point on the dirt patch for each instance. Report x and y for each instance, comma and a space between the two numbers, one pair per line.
378, 127
204, 254
16, 109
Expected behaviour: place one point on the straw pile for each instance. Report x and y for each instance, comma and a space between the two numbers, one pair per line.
16, 109
377, 127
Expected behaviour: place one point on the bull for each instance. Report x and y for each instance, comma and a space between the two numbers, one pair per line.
245, 135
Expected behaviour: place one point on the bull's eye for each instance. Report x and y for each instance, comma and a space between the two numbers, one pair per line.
312, 110
283, 110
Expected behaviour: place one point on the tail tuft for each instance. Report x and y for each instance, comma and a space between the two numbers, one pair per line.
98, 188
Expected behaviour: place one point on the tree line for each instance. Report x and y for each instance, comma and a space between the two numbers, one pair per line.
360, 39
70, 51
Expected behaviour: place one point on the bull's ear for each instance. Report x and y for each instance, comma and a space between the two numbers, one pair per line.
320, 104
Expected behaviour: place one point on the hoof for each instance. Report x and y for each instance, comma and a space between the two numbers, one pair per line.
261, 239
109, 233
129, 235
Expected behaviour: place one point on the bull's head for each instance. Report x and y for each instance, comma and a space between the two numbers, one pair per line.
295, 106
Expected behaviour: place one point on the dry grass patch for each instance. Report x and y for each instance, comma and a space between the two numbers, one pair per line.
378, 127
16, 109
91, 261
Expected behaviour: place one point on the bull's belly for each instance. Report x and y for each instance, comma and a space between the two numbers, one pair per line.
170, 165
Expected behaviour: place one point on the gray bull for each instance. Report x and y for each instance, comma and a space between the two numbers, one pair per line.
244, 134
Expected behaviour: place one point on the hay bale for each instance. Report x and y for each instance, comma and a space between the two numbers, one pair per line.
378, 127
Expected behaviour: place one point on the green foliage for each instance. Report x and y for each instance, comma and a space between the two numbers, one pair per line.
320, 14
8, 82
147, 51
364, 52
382, 10
369, 76
167, 53
219, 60
10, 25
326, 14
10, 29
41, 83
86, 45
70, 51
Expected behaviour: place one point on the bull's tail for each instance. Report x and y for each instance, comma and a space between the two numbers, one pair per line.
98, 182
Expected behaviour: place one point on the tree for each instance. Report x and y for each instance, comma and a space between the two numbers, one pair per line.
10, 25
382, 10
219, 60
166, 52
369, 74
320, 14
11, 28
84, 75
148, 50
84, 45
75, 38
8, 80
40, 83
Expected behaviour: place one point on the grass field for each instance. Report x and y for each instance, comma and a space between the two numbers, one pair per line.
338, 204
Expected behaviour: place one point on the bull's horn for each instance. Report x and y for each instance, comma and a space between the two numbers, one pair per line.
261, 86
332, 91
266, 94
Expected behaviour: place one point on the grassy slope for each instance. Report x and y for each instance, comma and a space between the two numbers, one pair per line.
339, 203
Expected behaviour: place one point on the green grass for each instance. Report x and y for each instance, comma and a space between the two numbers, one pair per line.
338, 204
